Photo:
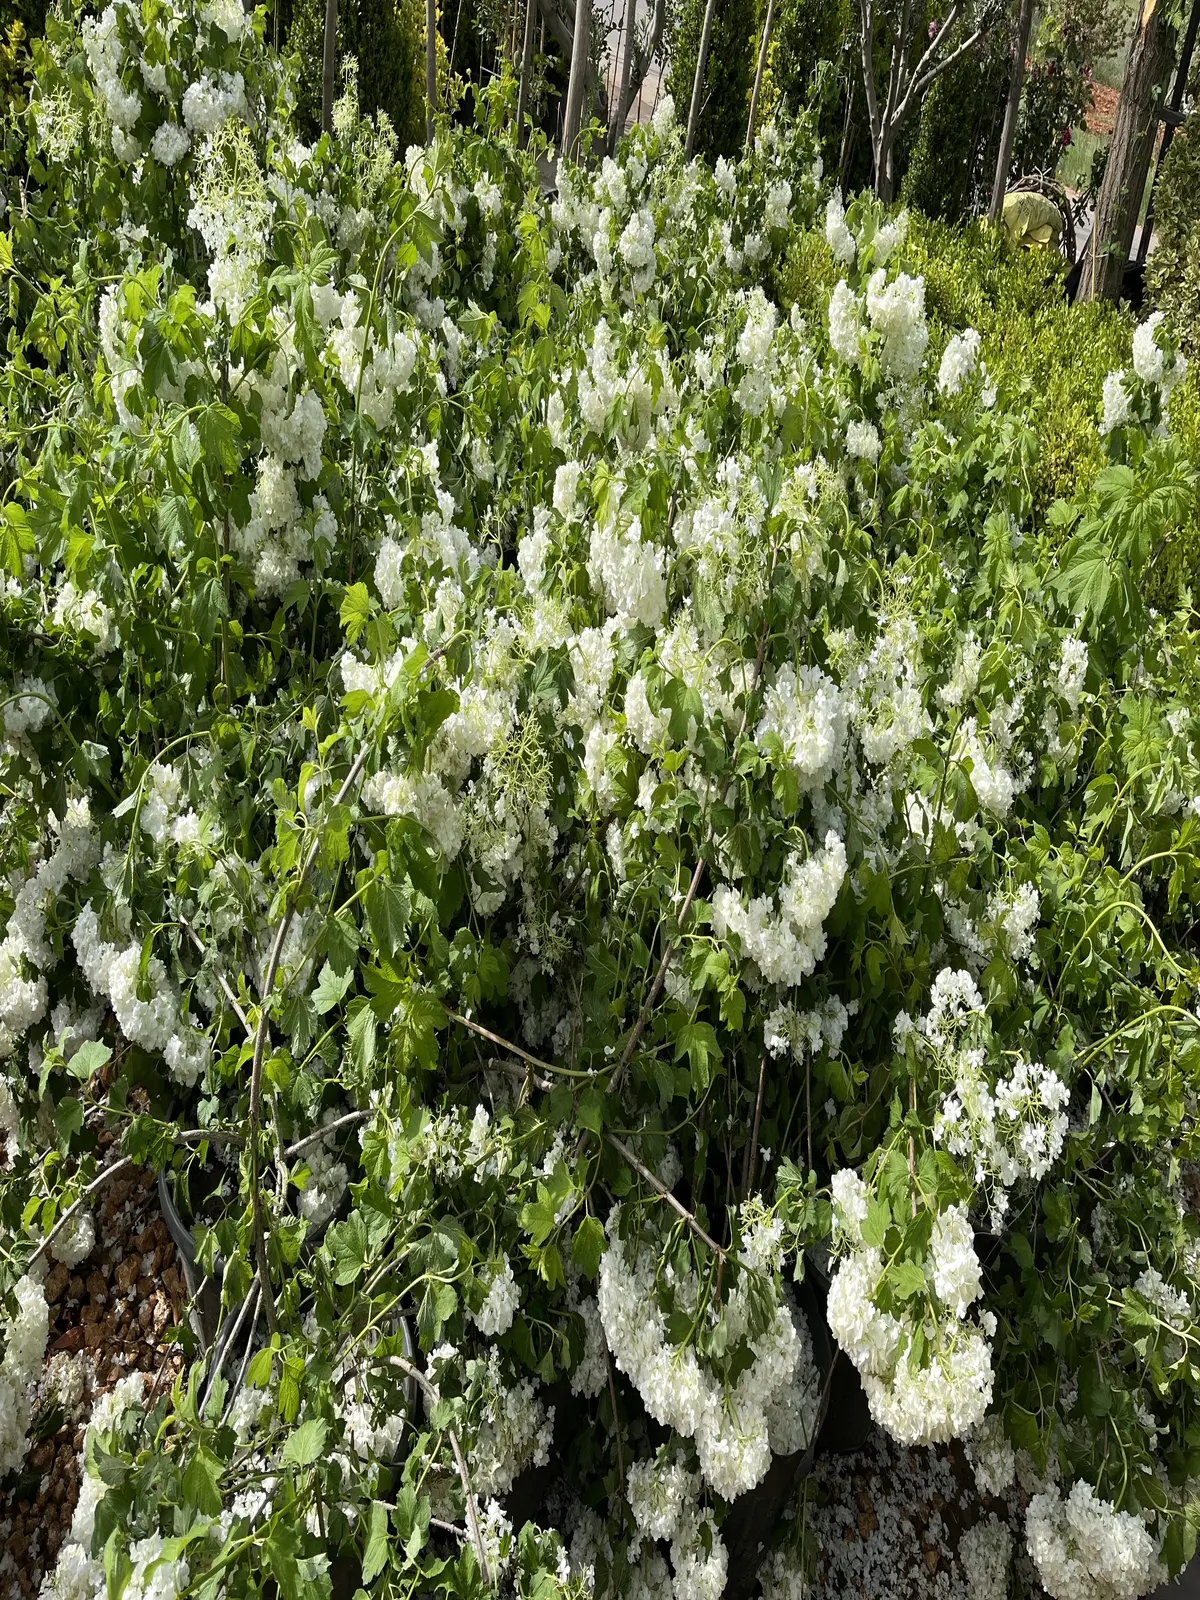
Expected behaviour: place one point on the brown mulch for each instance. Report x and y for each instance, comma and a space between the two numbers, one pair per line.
1102, 112
108, 1314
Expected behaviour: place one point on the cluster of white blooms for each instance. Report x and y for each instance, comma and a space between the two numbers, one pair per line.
845, 323
105, 52
1149, 358
25, 1336
627, 569
501, 1303
985, 1551
170, 144
786, 940
231, 209
157, 1024
327, 1178
754, 352
882, 686
636, 249
1117, 403
77, 1575
946, 1394
25, 951
897, 313
841, 240
772, 1406
811, 1032
1072, 671
802, 708
84, 612
75, 1240
662, 1496
1174, 1305
1018, 914
1085, 1549
229, 16
959, 360
991, 1455
515, 1429
212, 101
862, 441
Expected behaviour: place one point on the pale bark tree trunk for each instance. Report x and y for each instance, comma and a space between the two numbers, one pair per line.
758, 75
689, 143
629, 38
633, 74
573, 116
430, 66
906, 84
526, 71
1129, 151
328, 65
1008, 135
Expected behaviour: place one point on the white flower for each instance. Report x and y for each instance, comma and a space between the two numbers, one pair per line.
841, 240
863, 441
958, 361
1116, 403
170, 144
897, 313
1085, 1549
500, 1306
845, 323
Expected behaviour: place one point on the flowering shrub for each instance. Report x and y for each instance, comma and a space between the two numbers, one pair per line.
550, 797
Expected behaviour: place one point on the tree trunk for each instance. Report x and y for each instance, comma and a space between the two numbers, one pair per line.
1008, 135
758, 75
1177, 97
526, 69
430, 67
623, 96
573, 116
1129, 152
689, 143
328, 66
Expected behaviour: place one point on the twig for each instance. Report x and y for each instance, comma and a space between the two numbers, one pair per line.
301, 1145
612, 1395
260, 1049
752, 1151
449, 1527
644, 1172
494, 1038
472, 1516
96, 1183
221, 979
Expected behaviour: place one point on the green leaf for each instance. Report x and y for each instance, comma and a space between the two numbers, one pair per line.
906, 1279
331, 988
89, 1058
306, 1443
587, 1247
16, 539
350, 1248
698, 1041
219, 429
375, 1550
389, 906
356, 610
202, 1483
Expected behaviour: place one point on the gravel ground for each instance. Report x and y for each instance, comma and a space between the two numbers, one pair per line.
108, 1316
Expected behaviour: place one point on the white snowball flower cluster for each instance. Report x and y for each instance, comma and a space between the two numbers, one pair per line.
211, 101
25, 1336
947, 1393
76, 1574
156, 1024
515, 1429
1117, 403
786, 939
105, 52
25, 952
992, 1457
897, 313
170, 144
1072, 671
84, 613
802, 708
808, 1033
846, 330
862, 441
735, 1427
327, 1178
501, 1304
959, 360
1149, 358
663, 1499
1085, 1549
841, 240
75, 1241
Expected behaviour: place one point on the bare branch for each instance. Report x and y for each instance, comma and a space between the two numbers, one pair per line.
660, 1188
97, 1183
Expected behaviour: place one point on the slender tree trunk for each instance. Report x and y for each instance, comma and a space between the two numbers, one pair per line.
573, 116
1129, 152
758, 75
1012, 110
526, 70
628, 37
430, 67
1182, 71
328, 65
689, 143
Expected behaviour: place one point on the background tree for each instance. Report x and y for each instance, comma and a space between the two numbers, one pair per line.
727, 80
386, 38
1151, 56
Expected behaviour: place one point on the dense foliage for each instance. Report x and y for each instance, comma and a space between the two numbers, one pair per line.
559, 802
